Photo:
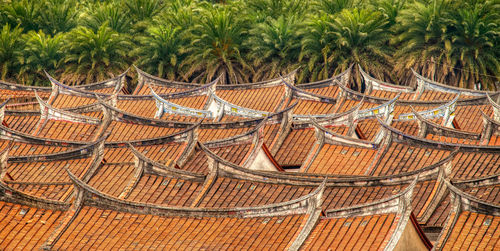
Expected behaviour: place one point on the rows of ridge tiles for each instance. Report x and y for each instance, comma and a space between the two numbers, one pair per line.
151, 170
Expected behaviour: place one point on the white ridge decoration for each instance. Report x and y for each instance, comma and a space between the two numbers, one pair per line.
167, 107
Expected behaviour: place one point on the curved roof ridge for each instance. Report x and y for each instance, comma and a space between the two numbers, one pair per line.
433, 85
237, 139
481, 181
490, 119
123, 115
306, 95
164, 168
219, 107
401, 137
18, 87
385, 108
11, 134
65, 89
386, 205
343, 118
437, 129
95, 198
81, 152
165, 106
441, 111
92, 107
335, 137
96, 85
12, 195
144, 75
341, 77
234, 170
495, 105
377, 84
261, 84
49, 112
469, 202
490, 127
355, 95
178, 84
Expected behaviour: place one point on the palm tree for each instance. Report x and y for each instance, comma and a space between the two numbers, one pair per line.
422, 38
41, 52
362, 39
159, 52
217, 38
98, 14
317, 45
274, 46
57, 16
10, 50
260, 10
93, 56
474, 50
178, 13
333, 6
24, 13
390, 9
141, 10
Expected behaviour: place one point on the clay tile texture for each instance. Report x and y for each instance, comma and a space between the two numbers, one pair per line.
272, 165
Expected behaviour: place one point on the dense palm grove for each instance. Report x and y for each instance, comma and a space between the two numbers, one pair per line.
454, 42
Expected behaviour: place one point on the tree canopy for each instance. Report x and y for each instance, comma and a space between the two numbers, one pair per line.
453, 42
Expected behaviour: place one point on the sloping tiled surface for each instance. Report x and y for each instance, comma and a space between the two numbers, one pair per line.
356, 233
133, 231
26, 227
474, 231
189, 178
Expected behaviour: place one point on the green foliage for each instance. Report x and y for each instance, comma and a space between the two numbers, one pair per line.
216, 40
51, 16
110, 13
333, 6
10, 50
361, 39
260, 10
474, 35
318, 43
140, 10
57, 16
159, 52
93, 56
41, 52
274, 46
454, 42
24, 13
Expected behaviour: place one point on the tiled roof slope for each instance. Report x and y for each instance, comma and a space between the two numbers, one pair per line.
268, 165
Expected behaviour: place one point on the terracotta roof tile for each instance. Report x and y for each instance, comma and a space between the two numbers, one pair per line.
469, 165
121, 131
356, 233
263, 99
343, 160
309, 107
401, 158
328, 91
474, 231
164, 191
295, 148
132, 231
23, 227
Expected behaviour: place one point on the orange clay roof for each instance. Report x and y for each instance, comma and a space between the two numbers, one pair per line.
177, 166
26, 227
135, 231
474, 231
356, 233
